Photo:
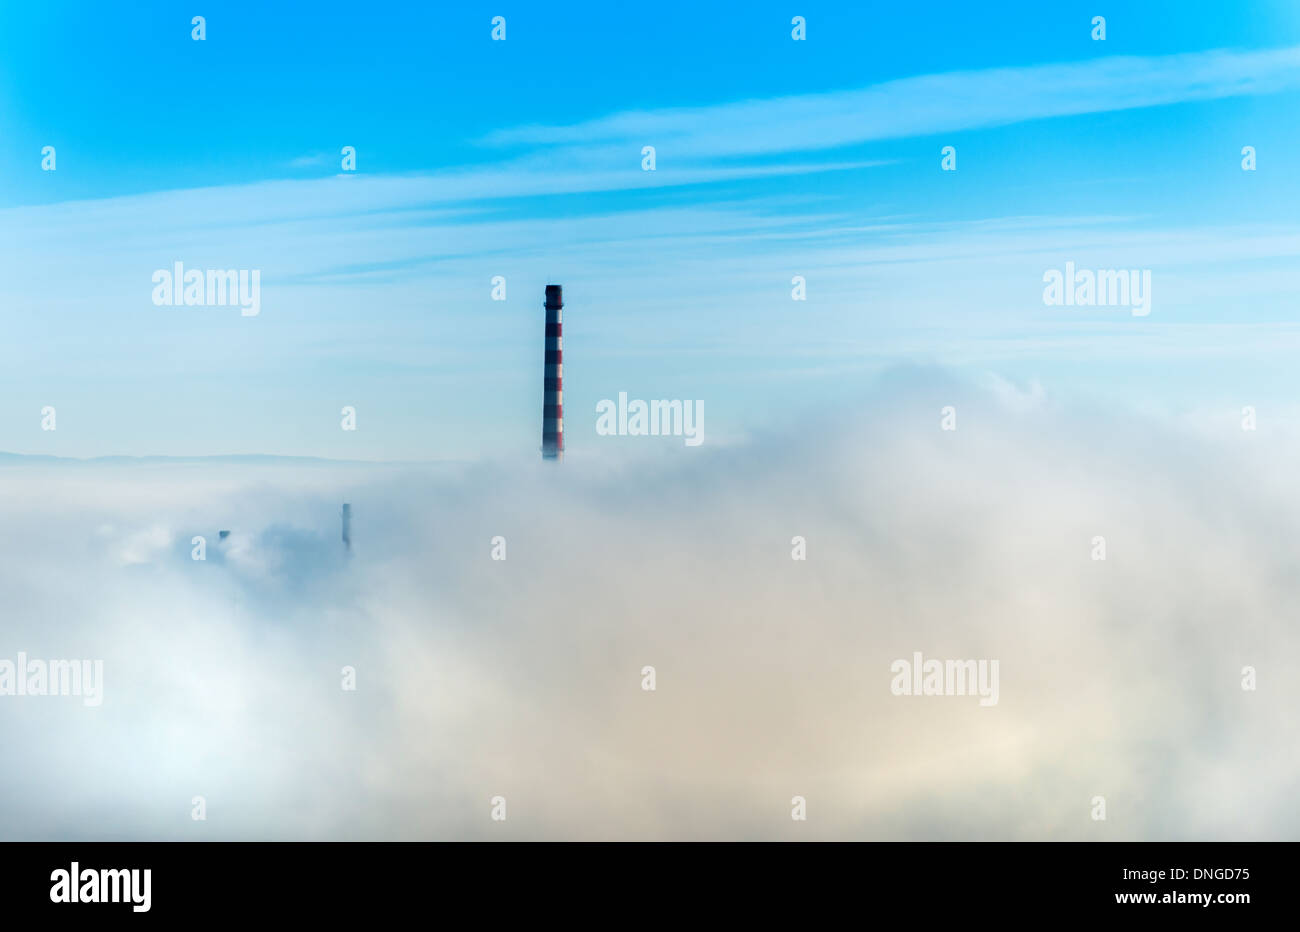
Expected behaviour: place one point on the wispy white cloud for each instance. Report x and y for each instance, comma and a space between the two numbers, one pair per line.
927, 104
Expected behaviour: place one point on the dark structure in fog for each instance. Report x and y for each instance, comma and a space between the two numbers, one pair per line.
552, 381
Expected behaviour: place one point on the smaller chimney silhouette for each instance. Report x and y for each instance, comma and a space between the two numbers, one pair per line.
552, 379
347, 526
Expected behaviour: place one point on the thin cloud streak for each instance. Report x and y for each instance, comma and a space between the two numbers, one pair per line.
928, 104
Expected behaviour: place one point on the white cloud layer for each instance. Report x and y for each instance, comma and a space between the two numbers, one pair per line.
522, 678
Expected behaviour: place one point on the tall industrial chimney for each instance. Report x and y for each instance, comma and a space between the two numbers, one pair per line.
347, 525
552, 395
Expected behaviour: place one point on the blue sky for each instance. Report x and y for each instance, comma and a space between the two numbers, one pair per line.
522, 159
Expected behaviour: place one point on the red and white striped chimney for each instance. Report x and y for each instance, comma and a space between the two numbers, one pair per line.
552, 383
